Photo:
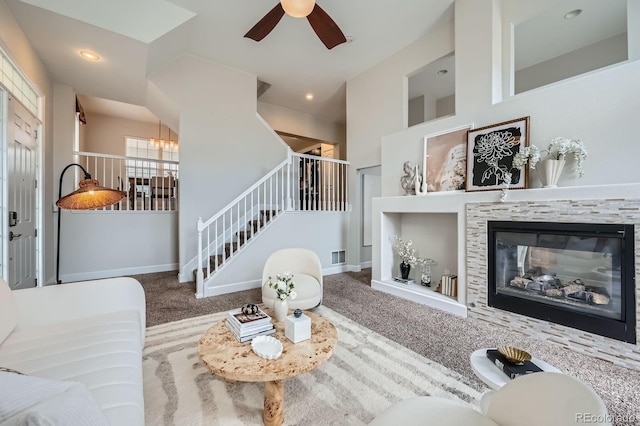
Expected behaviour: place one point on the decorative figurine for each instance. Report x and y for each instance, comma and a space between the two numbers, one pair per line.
408, 181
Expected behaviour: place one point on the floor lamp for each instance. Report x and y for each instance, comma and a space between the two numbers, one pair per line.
90, 195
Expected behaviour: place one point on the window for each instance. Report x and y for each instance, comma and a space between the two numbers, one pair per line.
146, 160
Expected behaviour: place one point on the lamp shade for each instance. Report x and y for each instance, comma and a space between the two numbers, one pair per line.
298, 8
89, 196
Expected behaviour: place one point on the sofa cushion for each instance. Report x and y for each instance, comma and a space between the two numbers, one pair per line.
102, 352
29, 400
8, 311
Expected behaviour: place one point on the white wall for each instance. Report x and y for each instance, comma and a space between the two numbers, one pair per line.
600, 107
225, 146
102, 244
597, 107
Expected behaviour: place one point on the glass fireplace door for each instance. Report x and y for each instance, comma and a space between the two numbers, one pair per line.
574, 274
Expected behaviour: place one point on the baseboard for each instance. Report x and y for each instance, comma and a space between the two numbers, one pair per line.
364, 265
336, 270
231, 288
96, 275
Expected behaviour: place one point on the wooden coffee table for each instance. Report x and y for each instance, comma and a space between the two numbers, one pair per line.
221, 352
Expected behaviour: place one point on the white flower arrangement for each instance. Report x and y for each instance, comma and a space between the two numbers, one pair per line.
405, 250
558, 149
283, 286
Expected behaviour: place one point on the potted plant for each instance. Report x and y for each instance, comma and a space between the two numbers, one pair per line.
552, 159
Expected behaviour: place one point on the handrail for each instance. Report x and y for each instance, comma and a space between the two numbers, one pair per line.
122, 157
244, 194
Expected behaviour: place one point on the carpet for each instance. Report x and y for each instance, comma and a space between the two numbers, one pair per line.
365, 375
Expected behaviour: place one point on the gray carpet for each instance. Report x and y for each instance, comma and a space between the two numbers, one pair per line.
441, 337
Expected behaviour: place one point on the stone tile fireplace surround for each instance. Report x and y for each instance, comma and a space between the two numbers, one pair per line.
619, 211
470, 213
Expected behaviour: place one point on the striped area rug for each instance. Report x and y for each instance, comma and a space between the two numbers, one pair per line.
365, 375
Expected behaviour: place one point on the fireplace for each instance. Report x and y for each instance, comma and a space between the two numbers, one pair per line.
581, 275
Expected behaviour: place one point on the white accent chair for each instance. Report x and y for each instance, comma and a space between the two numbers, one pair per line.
539, 399
306, 268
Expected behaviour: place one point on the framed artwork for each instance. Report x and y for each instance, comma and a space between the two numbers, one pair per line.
445, 160
490, 152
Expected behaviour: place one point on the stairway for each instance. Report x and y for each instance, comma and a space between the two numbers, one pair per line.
254, 227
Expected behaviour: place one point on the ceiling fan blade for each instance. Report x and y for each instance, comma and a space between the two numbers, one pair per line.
266, 24
326, 29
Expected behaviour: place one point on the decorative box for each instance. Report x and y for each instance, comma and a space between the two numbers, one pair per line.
297, 329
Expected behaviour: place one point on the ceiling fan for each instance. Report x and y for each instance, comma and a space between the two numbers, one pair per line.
326, 29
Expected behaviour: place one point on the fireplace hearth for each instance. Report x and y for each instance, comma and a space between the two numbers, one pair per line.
581, 275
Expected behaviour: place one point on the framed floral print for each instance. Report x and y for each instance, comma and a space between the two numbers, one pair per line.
490, 152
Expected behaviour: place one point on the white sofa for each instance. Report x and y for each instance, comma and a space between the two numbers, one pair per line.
78, 345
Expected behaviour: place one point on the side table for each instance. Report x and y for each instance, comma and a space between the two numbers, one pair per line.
491, 375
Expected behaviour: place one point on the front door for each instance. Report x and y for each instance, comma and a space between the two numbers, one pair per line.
22, 187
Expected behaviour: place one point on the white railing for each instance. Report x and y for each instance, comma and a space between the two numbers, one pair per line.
321, 183
300, 183
149, 184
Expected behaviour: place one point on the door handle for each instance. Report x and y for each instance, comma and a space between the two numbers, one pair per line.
12, 235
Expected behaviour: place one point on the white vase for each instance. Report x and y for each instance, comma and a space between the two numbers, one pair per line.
281, 309
549, 172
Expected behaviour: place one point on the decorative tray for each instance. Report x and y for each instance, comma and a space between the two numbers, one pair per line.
266, 347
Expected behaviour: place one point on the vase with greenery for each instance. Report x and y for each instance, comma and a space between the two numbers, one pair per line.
283, 285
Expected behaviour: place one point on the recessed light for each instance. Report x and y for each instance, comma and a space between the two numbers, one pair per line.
443, 72
309, 96
572, 14
89, 55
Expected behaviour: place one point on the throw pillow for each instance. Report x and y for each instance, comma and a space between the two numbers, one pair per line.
34, 401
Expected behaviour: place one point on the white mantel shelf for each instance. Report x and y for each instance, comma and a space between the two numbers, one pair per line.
389, 214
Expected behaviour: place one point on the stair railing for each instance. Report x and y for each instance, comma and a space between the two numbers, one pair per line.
220, 237
301, 182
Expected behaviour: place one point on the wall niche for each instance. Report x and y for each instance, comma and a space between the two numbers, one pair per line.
431, 91
571, 38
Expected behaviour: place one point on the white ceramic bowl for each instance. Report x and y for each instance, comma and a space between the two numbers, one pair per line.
266, 347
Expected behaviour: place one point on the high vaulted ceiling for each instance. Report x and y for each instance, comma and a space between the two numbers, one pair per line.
135, 39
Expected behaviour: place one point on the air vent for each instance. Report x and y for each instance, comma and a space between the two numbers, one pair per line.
338, 257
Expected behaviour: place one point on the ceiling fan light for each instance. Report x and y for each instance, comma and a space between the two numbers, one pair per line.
298, 8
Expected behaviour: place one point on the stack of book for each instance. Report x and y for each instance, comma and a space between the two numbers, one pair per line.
449, 285
247, 326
